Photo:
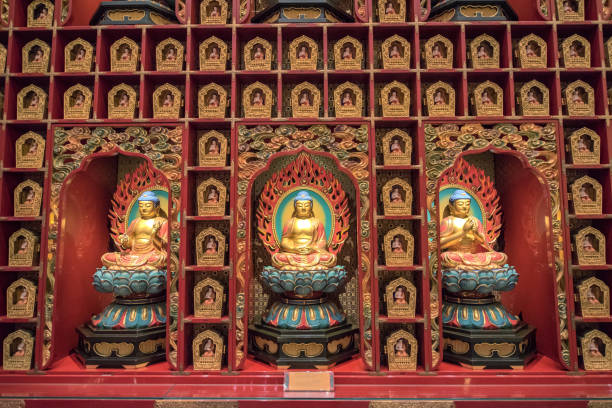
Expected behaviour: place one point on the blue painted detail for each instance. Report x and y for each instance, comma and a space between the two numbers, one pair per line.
304, 317
119, 316
488, 316
128, 283
480, 281
304, 283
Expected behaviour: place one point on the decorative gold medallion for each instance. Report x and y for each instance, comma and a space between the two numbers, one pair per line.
40, 14
570, 10
35, 56
585, 146
212, 101
3, 55
594, 297
395, 53
77, 102
210, 248
348, 54
398, 247
348, 100
401, 350
208, 299
212, 149
211, 197
576, 52
484, 52
586, 196
401, 297
22, 246
27, 198
257, 55
207, 351
531, 52
213, 54
397, 197
29, 151
579, 99
122, 101
20, 299
303, 53
78, 56
391, 11
438, 53
305, 101
169, 55
590, 245
17, 353
397, 148
596, 349
31, 103
257, 101
124, 55
395, 100
440, 99
488, 99
533, 99
167, 102
213, 12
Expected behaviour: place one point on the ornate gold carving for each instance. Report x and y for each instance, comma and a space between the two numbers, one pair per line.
77, 102
594, 297
305, 101
579, 99
17, 351
40, 13
395, 52
35, 56
570, 10
399, 247
12, 404
211, 197
533, 99
27, 198
78, 56
302, 13
20, 299
3, 53
106, 349
167, 102
397, 197
212, 101
395, 99
531, 52
348, 53
596, 351
210, 248
208, 298
303, 53
401, 297
169, 55
337, 345
213, 12
266, 345
401, 348
257, 101
600, 404
576, 52
503, 350
257, 55
122, 101
124, 55
397, 148
213, 54
586, 196
212, 149
585, 146
391, 11
457, 346
31, 103
478, 11
440, 99
590, 246
488, 99
207, 350
484, 52
444, 16
23, 244
158, 19
126, 15
348, 100
296, 349
152, 345
438, 53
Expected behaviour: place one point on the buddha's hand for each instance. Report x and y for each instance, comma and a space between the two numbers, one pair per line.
123, 240
468, 225
156, 226
304, 251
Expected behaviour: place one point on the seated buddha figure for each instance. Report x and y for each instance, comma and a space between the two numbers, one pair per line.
143, 246
462, 238
303, 244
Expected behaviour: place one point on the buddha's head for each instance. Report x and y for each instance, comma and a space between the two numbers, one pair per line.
459, 203
302, 205
148, 205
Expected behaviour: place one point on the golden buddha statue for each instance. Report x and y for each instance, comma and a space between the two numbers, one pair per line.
143, 246
303, 244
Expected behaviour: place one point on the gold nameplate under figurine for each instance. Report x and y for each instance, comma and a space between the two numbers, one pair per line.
395, 52
27, 198
594, 297
440, 99
3, 54
213, 12
35, 56
305, 101
211, 198
210, 248
438, 53
257, 55
531, 52
122, 101
40, 14
23, 245
484, 52
395, 100
397, 197
579, 99
576, 52
303, 53
167, 102
397, 148
401, 296
124, 55
207, 351
570, 10
590, 247
533, 99
348, 100
257, 101
399, 247
169, 55
31, 103
596, 348
78, 56
587, 196
208, 299
488, 99
391, 11
401, 350
212, 101
29, 151
212, 149
20, 299
348, 54
18, 348
213, 54
585, 146
77, 102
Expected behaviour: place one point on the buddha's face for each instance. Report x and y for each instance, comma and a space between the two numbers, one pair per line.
303, 208
461, 207
147, 209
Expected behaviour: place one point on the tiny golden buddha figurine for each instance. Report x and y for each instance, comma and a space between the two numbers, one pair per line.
594, 298
303, 53
213, 12
401, 349
579, 99
29, 151
440, 99
211, 198
395, 100
590, 247
398, 247
348, 54
397, 148
348, 100
122, 102
586, 196
395, 53
488, 99
257, 101
585, 146
40, 14
400, 297
305, 101
20, 299
570, 10
207, 351
210, 248
18, 348
391, 11
169, 55
576, 52
212, 101
257, 55
35, 56
78, 56
208, 299
213, 54
596, 348
484, 52
438, 53
531, 52
31, 103
397, 197
3, 54
124, 55
533, 99
23, 246
77, 102
212, 149
27, 198
167, 102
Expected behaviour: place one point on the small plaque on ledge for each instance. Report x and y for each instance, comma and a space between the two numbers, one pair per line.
309, 381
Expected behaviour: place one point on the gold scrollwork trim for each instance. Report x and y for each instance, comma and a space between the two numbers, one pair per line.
309, 349
105, 349
457, 346
502, 349
151, 346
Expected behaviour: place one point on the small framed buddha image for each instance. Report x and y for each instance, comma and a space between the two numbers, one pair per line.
29, 151
23, 246
78, 56
122, 102
578, 97
18, 348
397, 197
570, 10
606, 10
586, 196
348, 100
391, 11
348, 54
401, 349
585, 146
397, 148
533, 99
208, 299
608, 50
594, 298
40, 14
167, 102
213, 54
438, 53
169, 55
531, 52
77, 102
590, 247
484, 52
488, 99
395, 53
212, 149
20, 299
35, 56
257, 101
303, 53
401, 297
210, 248
257, 55
213, 12
3, 55
211, 198
440, 99
27, 199
398, 247
207, 351
212, 101
596, 348
31, 103
576, 52
124, 55
305, 101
